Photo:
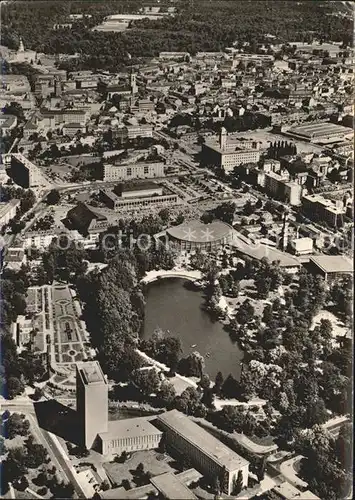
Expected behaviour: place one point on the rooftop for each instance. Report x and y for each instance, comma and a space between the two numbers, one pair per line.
143, 491
90, 373
201, 439
336, 207
138, 186
232, 146
134, 494
319, 129
289, 492
261, 251
7, 121
199, 232
333, 263
15, 255
171, 488
131, 427
5, 207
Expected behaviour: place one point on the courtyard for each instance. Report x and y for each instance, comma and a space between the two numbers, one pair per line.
154, 462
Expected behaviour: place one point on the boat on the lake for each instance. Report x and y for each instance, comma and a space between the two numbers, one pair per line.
193, 345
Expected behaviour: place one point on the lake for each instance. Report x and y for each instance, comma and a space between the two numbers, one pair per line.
171, 306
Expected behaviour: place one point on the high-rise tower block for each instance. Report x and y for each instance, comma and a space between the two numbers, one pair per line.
91, 401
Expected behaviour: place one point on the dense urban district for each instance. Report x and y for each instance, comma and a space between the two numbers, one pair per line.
204, 147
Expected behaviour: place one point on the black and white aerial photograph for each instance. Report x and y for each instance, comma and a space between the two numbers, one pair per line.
176, 249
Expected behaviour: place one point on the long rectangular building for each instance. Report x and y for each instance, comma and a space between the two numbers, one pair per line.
25, 173
138, 202
228, 152
8, 211
131, 171
281, 187
211, 457
320, 132
322, 209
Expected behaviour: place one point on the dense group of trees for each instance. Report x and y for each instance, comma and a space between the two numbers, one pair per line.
163, 347
293, 364
64, 260
135, 239
327, 466
17, 369
19, 459
198, 26
249, 121
114, 311
27, 199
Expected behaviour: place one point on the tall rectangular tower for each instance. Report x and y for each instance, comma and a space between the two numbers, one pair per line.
91, 401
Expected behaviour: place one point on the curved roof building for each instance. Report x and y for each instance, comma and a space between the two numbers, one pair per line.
195, 234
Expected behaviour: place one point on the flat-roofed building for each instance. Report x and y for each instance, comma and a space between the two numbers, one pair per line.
331, 267
143, 202
134, 131
91, 401
42, 239
130, 171
15, 257
136, 190
323, 210
144, 492
287, 491
228, 154
211, 457
246, 249
143, 106
7, 123
171, 488
74, 116
133, 195
25, 173
281, 187
132, 434
173, 55
302, 246
320, 132
8, 211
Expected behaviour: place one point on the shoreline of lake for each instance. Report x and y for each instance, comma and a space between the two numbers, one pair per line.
175, 305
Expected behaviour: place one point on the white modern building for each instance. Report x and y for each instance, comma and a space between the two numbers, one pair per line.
133, 171
207, 454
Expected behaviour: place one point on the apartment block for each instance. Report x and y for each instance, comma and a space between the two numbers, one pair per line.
323, 210
133, 171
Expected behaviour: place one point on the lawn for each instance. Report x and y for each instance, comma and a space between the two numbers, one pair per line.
179, 384
19, 442
263, 441
153, 461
